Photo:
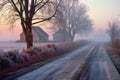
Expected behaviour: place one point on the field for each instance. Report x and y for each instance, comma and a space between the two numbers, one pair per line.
6, 46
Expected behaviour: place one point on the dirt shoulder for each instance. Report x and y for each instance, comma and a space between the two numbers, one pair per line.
115, 56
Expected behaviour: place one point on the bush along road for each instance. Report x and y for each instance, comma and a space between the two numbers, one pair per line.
13, 60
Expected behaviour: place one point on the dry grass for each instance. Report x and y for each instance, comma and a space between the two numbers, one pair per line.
13, 60
115, 56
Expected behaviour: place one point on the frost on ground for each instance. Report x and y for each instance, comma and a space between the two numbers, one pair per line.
115, 56
19, 46
59, 69
13, 60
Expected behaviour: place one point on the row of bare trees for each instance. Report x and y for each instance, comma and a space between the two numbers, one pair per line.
67, 15
114, 31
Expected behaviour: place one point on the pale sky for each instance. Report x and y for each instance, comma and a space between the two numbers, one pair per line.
100, 12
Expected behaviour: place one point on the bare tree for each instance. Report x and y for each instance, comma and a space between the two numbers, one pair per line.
79, 21
113, 31
29, 12
72, 17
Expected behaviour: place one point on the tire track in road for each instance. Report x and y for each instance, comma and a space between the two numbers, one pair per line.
100, 67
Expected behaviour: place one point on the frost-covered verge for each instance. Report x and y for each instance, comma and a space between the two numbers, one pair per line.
13, 60
115, 56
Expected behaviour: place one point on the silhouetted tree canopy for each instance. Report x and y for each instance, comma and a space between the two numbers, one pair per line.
28, 12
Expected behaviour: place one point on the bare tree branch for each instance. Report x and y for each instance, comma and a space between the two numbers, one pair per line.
43, 4
14, 5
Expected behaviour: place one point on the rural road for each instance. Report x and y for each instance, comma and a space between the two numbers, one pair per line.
90, 62
100, 67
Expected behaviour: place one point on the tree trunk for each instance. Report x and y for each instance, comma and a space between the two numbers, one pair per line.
113, 39
29, 40
72, 36
29, 37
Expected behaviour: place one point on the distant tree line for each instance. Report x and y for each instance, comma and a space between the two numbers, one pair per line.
114, 31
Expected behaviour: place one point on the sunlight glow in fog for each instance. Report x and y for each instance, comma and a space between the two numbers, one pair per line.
99, 35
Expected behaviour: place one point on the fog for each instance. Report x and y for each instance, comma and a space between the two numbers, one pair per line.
99, 35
